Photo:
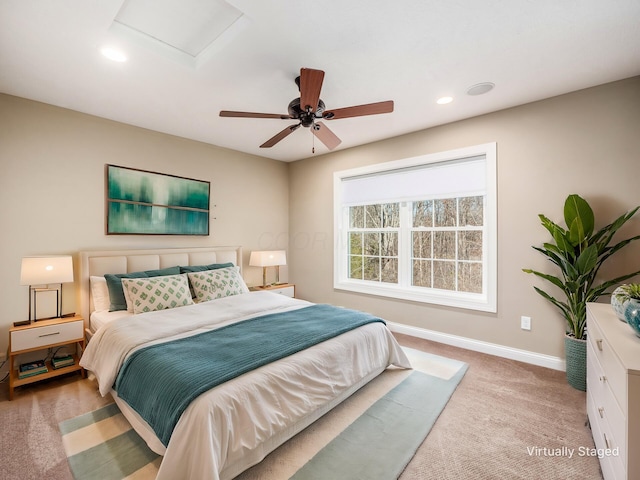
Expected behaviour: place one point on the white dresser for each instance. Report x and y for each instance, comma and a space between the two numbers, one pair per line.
613, 392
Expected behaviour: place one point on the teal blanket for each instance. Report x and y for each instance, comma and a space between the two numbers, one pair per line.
160, 381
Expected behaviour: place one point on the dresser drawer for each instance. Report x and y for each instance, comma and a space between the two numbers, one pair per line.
606, 410
31, 338
611, 461
614, 373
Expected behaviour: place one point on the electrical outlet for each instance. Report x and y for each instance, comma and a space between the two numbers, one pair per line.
525, 323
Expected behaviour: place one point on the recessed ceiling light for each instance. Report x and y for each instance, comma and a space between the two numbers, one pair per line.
444, 100
113, 54
480, 88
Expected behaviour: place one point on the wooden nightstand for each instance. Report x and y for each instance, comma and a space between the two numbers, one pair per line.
288, 289
40, 336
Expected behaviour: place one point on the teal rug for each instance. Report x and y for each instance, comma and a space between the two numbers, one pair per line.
371, 436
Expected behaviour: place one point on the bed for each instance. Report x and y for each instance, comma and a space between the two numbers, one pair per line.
208, 422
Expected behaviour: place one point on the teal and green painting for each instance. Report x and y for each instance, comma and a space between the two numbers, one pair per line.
141, 202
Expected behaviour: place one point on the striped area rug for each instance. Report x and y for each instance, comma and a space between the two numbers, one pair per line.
370, 436
101, 444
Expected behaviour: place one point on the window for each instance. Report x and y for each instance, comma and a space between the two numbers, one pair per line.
421, 229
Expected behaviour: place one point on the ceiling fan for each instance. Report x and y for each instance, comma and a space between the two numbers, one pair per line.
308, 108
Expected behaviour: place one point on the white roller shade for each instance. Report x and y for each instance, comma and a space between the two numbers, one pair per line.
449, 179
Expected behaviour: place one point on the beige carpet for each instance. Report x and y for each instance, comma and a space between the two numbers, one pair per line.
501, 411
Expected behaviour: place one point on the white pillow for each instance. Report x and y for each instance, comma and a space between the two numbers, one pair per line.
99, 293
220, 283
157, 293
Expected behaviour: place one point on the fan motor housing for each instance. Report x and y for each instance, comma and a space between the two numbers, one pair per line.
306, 118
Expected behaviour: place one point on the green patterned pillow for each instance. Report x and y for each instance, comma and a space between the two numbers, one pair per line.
219, 283
158, 293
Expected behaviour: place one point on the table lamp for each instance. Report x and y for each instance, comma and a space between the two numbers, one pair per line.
264, 259
39, 272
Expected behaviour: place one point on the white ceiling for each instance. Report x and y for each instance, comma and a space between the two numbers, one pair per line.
410, 51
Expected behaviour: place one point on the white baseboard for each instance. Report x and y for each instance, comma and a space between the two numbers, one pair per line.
555, 363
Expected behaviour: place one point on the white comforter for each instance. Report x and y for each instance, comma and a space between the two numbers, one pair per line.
235, 425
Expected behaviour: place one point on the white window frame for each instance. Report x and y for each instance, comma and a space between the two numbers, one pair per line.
485, 301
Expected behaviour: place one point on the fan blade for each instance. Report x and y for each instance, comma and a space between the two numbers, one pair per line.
326, 136
227, 113
276, 138
310, 86
359, 110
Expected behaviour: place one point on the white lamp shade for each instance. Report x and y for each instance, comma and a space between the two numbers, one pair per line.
45, 270
270, 258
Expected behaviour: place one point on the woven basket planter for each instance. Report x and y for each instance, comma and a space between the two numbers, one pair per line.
576, 356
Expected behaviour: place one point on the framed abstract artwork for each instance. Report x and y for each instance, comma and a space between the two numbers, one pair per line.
139, 202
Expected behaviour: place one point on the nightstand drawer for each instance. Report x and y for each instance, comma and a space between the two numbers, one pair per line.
35, 337
288, 291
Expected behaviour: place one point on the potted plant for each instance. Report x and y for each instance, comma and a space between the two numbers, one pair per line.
578, 252
629, 298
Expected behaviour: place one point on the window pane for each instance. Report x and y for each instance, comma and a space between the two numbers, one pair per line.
389, 244
445, 212
355, 267
470, 277
444, 275
373, 216
355, 243
371, 268
471, 211
390, 270
391, 215
423, 214
444, 245
372, 244
356, 217
470, 245
422, 244
421, 273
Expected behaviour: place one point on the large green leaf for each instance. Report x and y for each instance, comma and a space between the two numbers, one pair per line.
555, 280
587, 260
550, 225
563, 243
579, 218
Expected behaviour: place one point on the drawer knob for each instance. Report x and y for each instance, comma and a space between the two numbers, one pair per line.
606, 440
599, 343
603, 378
601, 411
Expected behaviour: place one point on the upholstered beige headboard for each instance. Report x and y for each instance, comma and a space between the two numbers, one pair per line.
124, 261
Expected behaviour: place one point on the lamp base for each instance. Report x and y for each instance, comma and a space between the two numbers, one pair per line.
22, 323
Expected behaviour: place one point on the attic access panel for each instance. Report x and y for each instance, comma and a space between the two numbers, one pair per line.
186, 30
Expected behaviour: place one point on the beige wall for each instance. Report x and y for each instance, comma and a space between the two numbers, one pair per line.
52, 192
587, 142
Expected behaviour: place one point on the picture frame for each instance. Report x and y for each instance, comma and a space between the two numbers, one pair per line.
141, 202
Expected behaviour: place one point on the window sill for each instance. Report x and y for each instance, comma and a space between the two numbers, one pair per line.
469, 301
